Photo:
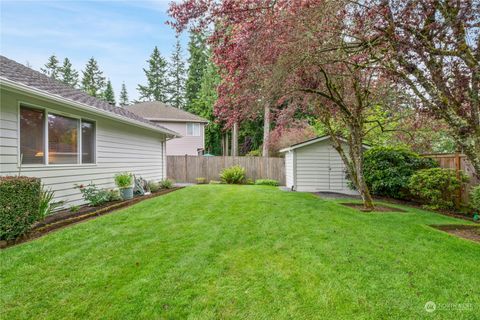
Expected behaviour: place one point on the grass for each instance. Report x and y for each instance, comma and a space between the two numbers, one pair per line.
249, 252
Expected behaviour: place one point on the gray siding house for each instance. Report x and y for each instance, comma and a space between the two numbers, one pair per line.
315, 166
66, 137
191, 127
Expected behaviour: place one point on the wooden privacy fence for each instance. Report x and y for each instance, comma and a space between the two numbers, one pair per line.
458, 162
188, 168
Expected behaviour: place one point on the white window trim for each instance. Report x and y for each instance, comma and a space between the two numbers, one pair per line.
46, 111
193, 124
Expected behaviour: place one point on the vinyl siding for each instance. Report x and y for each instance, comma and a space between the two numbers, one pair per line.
186, 145
119, 147
319, 167
289, 169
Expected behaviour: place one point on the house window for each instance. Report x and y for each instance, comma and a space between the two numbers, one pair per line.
65, 140
32, 139
193, 129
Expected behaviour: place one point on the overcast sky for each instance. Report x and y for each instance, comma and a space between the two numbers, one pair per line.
119, 34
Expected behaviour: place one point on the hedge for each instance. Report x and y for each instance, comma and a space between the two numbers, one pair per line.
19, 205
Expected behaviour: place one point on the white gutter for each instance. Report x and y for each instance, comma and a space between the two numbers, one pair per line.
84, 107
176, 120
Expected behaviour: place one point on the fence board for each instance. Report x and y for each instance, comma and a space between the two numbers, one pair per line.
458, 162
188, 168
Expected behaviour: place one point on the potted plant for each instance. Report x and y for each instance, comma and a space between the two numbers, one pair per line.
124, 182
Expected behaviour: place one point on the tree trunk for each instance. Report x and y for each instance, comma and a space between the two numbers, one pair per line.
266, 130
227, 151
472, 150
235, 140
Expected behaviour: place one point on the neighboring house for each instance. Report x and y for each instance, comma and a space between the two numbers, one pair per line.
66, 137
191, 127
315, 166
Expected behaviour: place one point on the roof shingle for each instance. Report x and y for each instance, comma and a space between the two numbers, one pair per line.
19, 73
159, 111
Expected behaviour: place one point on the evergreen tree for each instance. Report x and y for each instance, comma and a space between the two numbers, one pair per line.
93, 81
203, 106
197, 61
157, 82
69, 76
124, 96
176, 73
109, 95
52, 68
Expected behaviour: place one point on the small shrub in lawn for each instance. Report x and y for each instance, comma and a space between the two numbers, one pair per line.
475, 198
93, 195
153, 186
166, 184
233, 175
267, 182
19, 205
436, 187
215, 182
387, 170
201, 180
249, 181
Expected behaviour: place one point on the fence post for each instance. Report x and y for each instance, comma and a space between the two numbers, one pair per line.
186, 168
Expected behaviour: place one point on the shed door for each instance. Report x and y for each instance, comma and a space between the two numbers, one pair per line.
337, 180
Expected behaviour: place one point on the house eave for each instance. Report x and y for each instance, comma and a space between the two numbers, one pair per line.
25, 89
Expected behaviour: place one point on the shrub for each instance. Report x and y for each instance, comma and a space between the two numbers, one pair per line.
215, 182
114, 195
249, 181
436, 187
153, 186
74, 208
475, 198
233, 175
124, 180
19, 205
254, 153
201, 180
266, 182
387, 170
93, 195
166, 184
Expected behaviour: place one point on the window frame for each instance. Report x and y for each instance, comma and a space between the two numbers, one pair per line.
193, 135
46, 111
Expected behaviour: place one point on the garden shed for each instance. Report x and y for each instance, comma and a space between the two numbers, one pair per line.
315, 166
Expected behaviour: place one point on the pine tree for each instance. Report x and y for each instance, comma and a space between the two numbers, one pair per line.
69, 76
176, 73
124, 96
197, 61
157, 82
93, 81
52, 68
108, 94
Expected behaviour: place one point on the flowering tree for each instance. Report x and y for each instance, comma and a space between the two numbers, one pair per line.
272, 53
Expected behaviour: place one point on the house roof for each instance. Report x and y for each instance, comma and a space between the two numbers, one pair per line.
159, 111
312, 141
20, 77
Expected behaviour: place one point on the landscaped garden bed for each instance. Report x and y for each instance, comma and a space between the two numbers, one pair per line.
378, 207
66, 217
463, 231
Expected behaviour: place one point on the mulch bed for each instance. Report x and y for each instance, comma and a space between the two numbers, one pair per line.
64, 218
462, 231
378, 208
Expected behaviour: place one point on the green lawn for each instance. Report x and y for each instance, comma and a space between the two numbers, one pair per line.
243, 252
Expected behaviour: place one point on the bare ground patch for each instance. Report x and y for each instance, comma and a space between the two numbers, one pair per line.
462, 231
378, 208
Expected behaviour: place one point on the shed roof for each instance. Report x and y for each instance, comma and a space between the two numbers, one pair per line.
312, 141
20, 77
159, 111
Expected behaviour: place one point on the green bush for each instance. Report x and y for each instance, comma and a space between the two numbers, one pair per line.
166, 184
233, 175
254, 153
114, 195
153, 186
266, 182
124, 180
475, 198
201, 180
93, 195
47, 205
436, 187
387, 170
215, 182
19, 205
